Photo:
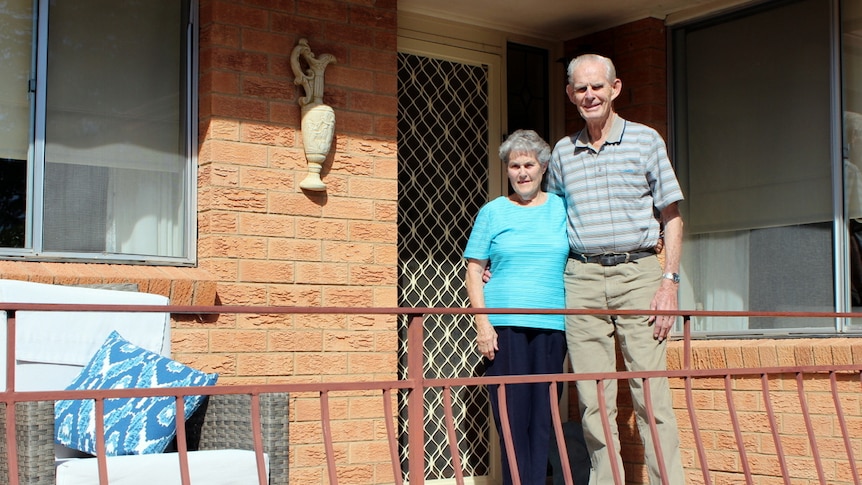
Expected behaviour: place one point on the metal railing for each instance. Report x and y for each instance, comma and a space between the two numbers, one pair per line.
415, 384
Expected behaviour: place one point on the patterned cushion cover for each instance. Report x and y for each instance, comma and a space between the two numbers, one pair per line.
132, 426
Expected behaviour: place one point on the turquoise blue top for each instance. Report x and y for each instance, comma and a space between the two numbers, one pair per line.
528, 248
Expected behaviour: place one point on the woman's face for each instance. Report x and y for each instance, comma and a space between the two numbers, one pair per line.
525, 175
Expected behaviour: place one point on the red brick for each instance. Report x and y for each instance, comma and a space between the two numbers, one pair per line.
233, 14
268, 88
374, 188
328, 10
230, 340
287, 158
373, 103
265, 224
238, 107
348, 297
239, 61
321, 273
308, 228
373, 59
294, 204
260, 178
294, 250
296, 295
220, 35
378, 18
268, 134
266, 271
265, 41
350, 78
373, 232
268, 364
352, 209
372, 274
354, 122
349, 252
306, 27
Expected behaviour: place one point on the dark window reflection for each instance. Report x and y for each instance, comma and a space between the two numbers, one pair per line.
13, 202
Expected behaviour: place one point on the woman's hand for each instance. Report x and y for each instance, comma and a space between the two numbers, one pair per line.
486, 337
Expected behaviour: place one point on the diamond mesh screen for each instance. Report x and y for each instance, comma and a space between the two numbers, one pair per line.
442, 183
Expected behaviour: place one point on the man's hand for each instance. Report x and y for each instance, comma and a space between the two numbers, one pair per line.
666, 296
665, 299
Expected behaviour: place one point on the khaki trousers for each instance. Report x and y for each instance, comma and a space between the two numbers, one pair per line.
591, 341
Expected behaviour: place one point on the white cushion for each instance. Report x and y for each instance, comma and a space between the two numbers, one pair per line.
210, 467
52, 347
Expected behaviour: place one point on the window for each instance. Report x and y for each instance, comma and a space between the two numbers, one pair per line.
96, 130
851, 71
760, 163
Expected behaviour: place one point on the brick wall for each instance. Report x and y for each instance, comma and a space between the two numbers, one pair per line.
713, 412
268, 242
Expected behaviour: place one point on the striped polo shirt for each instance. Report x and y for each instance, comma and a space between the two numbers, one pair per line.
613, 195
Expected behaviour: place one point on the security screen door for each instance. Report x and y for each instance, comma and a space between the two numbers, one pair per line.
447, 127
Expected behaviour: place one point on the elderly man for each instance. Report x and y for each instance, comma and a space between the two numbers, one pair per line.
620, 191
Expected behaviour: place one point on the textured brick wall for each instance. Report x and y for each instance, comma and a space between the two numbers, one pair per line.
269, 243
713, 412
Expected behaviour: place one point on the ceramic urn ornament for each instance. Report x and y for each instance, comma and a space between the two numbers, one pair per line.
318, 119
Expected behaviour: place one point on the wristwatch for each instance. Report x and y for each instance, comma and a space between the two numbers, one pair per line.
671, 276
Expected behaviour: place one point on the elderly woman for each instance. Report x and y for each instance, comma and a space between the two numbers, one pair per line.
523, 236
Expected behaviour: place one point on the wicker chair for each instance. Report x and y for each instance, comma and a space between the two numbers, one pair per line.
223, 422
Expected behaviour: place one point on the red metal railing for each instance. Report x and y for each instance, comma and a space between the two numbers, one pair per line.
415, 384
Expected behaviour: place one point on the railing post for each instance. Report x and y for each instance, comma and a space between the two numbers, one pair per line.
10, 350
416, 398
11, 442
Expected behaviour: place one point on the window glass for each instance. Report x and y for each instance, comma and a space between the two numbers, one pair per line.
16, 45
851, 56
754, 155
110, 164
114, 152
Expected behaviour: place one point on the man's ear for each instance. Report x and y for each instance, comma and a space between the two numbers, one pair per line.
617, 87
570, 92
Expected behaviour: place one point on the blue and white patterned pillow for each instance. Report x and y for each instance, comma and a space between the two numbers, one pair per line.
133, 426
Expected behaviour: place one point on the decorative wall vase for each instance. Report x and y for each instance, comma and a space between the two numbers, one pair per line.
318, 119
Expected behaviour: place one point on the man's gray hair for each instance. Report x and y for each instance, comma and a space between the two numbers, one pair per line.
610, 70
526, 141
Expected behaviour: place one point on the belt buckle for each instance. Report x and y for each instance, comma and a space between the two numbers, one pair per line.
613, 259
608, 259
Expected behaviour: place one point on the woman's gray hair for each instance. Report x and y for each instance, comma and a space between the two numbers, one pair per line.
610, 70
526, 141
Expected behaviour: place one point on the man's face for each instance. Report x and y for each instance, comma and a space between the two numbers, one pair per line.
592, 92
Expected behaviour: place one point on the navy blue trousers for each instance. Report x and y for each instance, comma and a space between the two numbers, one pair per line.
527, 351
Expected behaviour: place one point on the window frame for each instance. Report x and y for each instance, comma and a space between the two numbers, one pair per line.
840, 239
33, 249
